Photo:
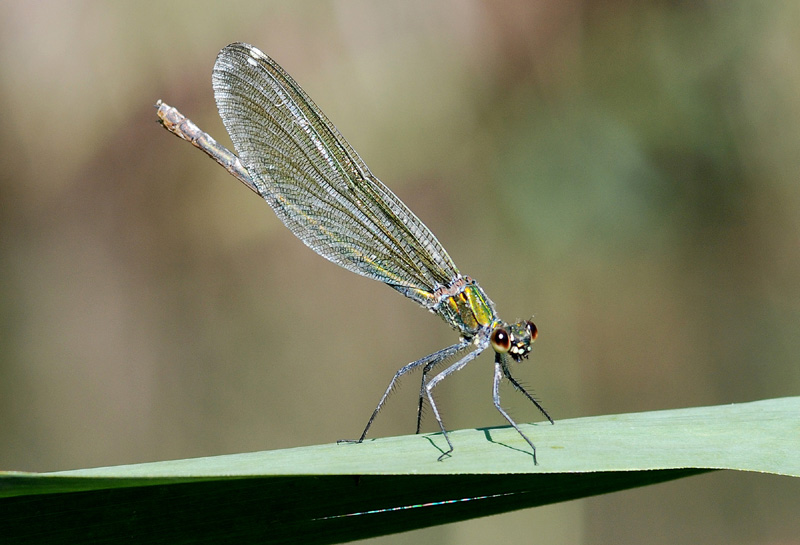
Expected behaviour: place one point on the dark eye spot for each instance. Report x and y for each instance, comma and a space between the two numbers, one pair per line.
500, 340
532, 330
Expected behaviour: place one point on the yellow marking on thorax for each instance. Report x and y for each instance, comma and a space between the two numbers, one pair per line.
471, 308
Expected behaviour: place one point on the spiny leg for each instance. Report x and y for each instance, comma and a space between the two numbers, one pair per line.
441, 376
518, 386
500, 370
429, 360
427, 369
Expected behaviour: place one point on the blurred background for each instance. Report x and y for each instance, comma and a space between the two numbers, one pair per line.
627, 172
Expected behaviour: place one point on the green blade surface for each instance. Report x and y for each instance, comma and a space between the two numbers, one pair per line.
336, 493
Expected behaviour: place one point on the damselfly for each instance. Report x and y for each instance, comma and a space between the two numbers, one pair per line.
320, 188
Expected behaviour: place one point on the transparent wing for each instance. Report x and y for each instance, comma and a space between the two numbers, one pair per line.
316, 183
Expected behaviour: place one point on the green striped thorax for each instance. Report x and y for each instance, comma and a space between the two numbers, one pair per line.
466, 307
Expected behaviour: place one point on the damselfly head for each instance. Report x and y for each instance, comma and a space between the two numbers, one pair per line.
514, 339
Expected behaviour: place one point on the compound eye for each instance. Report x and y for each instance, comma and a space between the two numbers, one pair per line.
532, 330
500, 340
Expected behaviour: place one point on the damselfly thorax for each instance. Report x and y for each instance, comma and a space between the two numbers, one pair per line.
467, 309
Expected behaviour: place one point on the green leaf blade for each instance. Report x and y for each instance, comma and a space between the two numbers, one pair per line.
335, 493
